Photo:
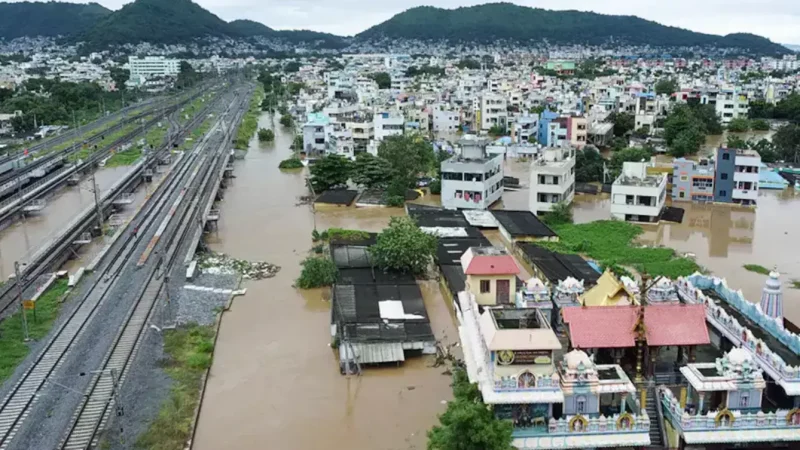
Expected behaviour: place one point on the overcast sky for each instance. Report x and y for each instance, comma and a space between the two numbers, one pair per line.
775, 19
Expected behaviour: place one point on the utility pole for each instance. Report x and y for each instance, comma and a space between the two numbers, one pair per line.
97, 203
18, 281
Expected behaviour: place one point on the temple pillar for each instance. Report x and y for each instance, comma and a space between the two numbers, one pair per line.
684, 394
622, 403
679, 360
651, 369
692, 356
700, 402
639, 356
644, 398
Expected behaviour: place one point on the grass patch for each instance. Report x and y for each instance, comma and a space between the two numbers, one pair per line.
795, 284
249, 124
611, 243
188, 351
756, 268
12, 348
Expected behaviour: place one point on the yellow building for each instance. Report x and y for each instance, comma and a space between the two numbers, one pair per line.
609, 291
491, 275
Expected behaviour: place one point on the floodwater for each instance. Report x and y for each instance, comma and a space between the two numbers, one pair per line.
23, 238
722, 238
275, 379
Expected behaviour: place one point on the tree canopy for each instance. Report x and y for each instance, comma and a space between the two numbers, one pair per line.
371, 171
330, 171
623, 123
685, 130
404, 247
666, 86
409, 155
383, 79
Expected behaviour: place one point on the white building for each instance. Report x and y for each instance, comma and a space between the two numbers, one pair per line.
388, 124
731, 105
552, 179
315, 133
525, 127
494, 111
153, 66
472, 180
445, 120
746, 176
637, 196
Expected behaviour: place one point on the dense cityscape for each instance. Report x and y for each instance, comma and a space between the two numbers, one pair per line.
490, 227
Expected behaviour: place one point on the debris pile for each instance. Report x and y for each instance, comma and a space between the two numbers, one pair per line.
250, 270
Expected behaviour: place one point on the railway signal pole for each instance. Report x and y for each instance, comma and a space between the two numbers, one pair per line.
18, 282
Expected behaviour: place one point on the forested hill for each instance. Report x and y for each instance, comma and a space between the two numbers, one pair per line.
505, 21
47, 19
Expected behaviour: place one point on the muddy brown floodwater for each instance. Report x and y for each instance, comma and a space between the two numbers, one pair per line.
722, 238
275, 381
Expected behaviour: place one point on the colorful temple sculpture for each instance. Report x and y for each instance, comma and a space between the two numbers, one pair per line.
510, 354
725, 404
565, 295
535, 294
662, 292
772, 297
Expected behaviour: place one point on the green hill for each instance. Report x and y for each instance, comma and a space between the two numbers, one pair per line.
491, 22
250, 28
155, 21
47, 19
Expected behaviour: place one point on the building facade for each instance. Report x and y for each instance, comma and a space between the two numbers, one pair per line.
153, 66
637, 196
552, 179
472, 180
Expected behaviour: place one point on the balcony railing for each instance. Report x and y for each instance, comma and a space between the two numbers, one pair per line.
583, 425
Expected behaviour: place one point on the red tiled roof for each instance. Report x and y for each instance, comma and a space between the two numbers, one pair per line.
601, 326
613, 326
676, 325
492, 265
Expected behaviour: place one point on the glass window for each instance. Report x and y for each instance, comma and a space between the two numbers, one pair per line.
724, 176
485, 286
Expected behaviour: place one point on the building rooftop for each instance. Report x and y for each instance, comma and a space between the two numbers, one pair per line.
498, 339
522, 224
488, 261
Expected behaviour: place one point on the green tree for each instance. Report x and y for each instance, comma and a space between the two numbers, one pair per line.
631, 154
370, 171
709, 118
588, 166
623, 123
559, 214
409, 156
736, 142
287, 120
759, 109
787, 142
497, 131
292, 67
383, 79
666, 86
468, 63
120, 76
739, 125
404, 247
330, 171
759, 125
297, 143
470, 425
766, 149
317, 272
683, 131
187, 76
266, 135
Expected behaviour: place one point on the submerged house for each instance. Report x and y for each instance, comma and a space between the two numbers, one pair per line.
491, 275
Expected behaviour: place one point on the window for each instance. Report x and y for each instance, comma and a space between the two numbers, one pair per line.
723, 176
726, 156
580, 404
485, 286
723, 193
744, 399
682, 194
684, 178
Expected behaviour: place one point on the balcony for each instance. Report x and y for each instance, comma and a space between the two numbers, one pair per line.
623, 430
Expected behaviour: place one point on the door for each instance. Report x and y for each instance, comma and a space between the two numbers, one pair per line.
502, 291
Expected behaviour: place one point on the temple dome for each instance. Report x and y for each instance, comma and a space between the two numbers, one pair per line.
738, 356
577, 357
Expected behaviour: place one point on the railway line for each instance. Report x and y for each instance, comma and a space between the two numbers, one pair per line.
52, 253
138, 261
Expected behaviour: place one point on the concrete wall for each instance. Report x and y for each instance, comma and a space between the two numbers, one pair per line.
591, 404
725, 168
490, 298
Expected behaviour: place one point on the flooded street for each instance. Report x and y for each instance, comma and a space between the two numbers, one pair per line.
22, 239
275, 380
723, 238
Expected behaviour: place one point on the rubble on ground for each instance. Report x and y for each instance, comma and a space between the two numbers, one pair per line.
215, 263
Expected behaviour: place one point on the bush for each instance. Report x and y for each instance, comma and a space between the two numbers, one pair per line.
757, 269
760, 125
435, 187
341, 234
291, 163
739, 125
266, 135
317, 272
404, 247
395, 201
287, 120
560, 214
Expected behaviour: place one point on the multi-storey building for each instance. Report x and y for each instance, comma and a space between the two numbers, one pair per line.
637, 196
445, 120
577, 131
493, 111
732, 104
736, 176
472, 180
153, 66
525, 127
388, 124
692, 181
552, 179
315, 133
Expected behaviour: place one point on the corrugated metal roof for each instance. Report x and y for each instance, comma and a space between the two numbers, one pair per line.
372, 353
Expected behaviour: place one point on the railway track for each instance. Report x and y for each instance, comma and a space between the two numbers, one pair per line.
190, 172
48, 255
